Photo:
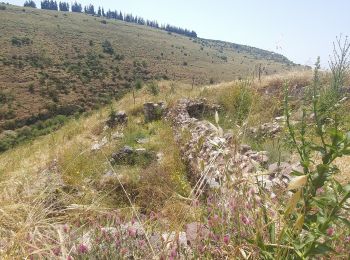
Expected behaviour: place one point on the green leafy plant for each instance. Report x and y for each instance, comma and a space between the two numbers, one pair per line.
107, 47
315, 220
318, 205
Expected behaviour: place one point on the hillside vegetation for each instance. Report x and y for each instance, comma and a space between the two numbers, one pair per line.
122, 141
59, 63
71, 200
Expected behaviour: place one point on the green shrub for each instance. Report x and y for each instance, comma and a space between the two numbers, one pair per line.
2, 7
38, 60
107, 47
16, 41
318, 203
138, 84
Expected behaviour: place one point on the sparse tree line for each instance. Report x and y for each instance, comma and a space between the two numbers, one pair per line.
100, 12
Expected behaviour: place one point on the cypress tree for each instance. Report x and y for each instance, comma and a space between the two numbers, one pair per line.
29, 3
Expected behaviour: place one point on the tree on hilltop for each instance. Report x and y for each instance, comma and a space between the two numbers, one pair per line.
29, 3
89, 9
49, 5
76, 8
64, 7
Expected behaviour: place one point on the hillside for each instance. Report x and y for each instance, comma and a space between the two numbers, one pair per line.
137, 188
56, 63
124, 141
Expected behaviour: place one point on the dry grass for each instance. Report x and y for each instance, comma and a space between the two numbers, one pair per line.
41, 181
55, 180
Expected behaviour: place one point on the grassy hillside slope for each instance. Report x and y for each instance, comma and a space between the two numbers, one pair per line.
59, 63
55, 191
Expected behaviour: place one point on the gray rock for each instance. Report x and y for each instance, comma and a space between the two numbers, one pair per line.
282, 171
98, 145
140, 150
260, 157
122, 117
160, 157
119, 118
142, 140
123, 155
127, 150
229, 136
117, 135
153, 111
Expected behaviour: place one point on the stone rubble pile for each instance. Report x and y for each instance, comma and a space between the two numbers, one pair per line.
211, 155
266, 130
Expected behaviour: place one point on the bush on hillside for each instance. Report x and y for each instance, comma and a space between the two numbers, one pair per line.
107, 47
16, 41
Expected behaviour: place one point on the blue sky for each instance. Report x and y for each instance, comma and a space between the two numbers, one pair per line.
299, 29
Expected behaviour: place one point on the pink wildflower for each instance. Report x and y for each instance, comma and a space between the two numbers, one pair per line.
245, 220
132, 232
251, 191
195, 203
173, 253
82, 249
330, 231
319, 191
142, 243
226, 239
56, 251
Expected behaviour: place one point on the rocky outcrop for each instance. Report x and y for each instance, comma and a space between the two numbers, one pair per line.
153, 111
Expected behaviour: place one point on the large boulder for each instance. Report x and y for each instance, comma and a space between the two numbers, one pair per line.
153, 111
